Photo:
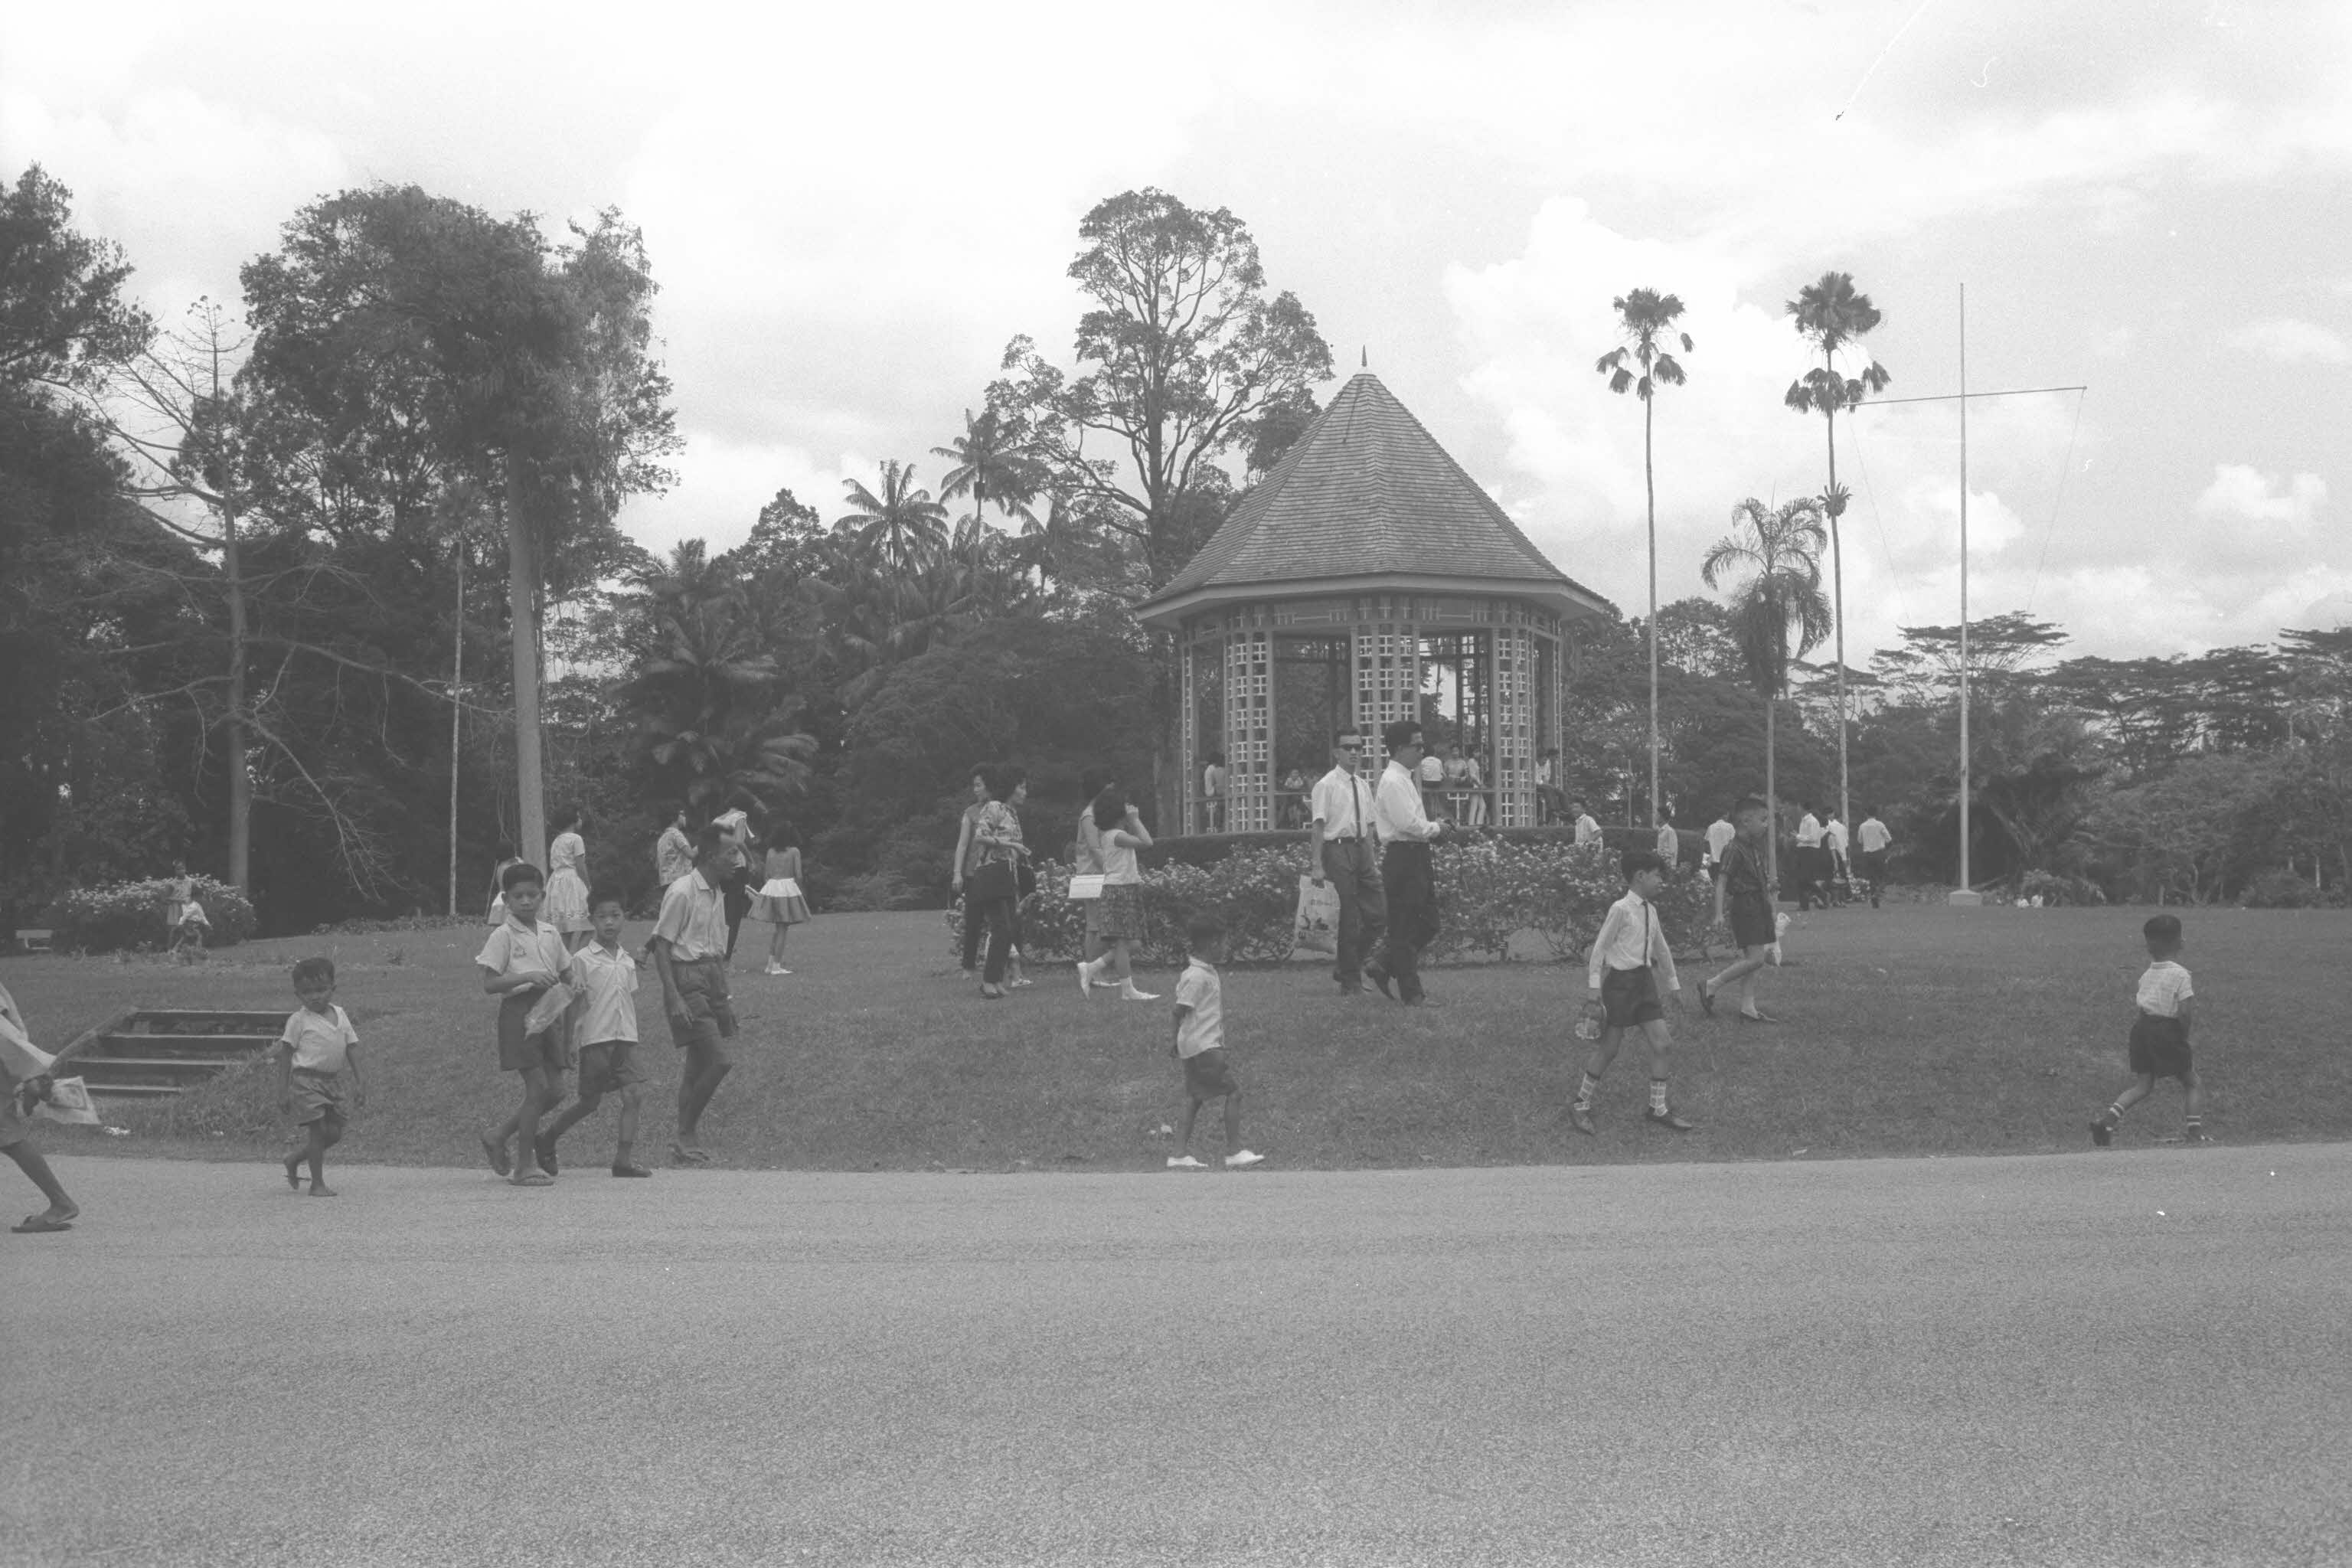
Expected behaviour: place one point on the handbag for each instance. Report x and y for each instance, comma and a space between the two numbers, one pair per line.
992, 881
1025, 877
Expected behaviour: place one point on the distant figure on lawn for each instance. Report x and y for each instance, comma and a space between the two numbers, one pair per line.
606, 1020
1407, 878
966, 860
508, 858
567, 880
1670, 843
690, 949
1834, 843
735, 870
2159, 1034
1621, 987
780, 900
1812, 862
178, 893
523, 960
1117, 917
1200, 1046
1550, 803
673, 850
188, 936
1343, 849
1873, 838
316, 1046
22, 1087
998, 858
1719, 835
1743, 899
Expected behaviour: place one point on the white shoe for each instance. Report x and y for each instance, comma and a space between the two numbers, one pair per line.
1024, 980
778, 969
1130, 992
1186, 1162
1241, 1159
1085, 980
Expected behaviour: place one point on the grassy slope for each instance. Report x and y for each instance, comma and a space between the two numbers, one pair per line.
1915, 1029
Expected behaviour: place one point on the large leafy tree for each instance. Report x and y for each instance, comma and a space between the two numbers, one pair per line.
1832, 319
1771, 562
1641, 364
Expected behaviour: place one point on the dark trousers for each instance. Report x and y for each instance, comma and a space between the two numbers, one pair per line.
735, 891
1413, 913
999, 913
975, 922
1354, 873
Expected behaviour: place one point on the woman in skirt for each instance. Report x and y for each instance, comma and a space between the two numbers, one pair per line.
567, 885
779, 902
1118, 921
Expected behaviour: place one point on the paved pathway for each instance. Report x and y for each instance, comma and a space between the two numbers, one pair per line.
2141, 1357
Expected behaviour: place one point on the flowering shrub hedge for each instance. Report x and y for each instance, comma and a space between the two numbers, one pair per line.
130, 915
1488, 890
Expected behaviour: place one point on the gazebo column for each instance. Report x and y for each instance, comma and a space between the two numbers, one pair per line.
1249, 730
1388, 685
1514, 762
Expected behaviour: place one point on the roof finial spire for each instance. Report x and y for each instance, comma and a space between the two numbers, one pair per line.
1365, 362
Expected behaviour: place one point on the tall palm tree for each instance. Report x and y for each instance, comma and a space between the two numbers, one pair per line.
1779, 555
992, 463
900, 528
1829, 317
1644, 317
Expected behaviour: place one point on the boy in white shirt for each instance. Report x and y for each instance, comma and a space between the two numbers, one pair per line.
605, 1020
524, 958
1873, 838
25, 1081
1622, 989
1199, 1044
1586, 831
1719, 835
2159, 1034
317, 1044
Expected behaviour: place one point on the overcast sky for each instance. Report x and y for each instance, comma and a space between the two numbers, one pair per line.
851, 207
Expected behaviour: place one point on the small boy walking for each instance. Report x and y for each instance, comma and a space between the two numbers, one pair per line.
523, 959
1622, 983
1199, 1044
24, 1083
607, 1022
2159, 1035
318, 1044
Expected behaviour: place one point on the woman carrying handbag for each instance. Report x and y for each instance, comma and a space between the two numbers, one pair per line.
998, 856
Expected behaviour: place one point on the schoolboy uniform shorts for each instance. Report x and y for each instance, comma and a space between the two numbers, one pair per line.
318, 1095
1630, 996
1208, 1075
521, 1053
2159, 1046
1750, 921
608, 1064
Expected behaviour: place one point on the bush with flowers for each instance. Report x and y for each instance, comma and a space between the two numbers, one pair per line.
1488, 890
129, 916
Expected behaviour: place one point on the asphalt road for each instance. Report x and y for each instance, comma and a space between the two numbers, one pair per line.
2139, 1357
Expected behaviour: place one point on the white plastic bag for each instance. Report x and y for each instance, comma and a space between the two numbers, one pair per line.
1317, 927
552, 1004
68, 1102
1780, 930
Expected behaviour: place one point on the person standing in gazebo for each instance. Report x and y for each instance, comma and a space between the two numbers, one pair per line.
1343, 849
1406, 876
1212, 792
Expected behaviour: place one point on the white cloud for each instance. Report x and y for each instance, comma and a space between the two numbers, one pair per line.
2291, 341
723, 483
2240, 494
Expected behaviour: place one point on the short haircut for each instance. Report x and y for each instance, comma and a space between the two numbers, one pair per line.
1400, 733
1748, 802
1637, 861
1346, 732
1577, 801
564, 817
1004, 778
1201, 930
1110, 808
599, 897
516, 875
2163, 929
320, 970
1870, 811
709, 839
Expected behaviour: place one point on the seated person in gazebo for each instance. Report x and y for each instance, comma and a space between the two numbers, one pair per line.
1293, 798
1433, 785
1457, 783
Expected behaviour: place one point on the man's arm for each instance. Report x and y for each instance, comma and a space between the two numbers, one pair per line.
1315, 839
963, 848
359, 1085
2188, 1009
673, 1005
1662, 953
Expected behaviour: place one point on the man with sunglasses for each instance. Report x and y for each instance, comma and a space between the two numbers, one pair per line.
1343, 849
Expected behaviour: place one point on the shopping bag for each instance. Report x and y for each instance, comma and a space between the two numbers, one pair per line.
1085, 886
68, 1102
552, 1004
19, 1058
1780, 932
1317, 928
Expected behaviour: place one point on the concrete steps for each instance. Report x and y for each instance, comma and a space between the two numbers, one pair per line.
149, 1052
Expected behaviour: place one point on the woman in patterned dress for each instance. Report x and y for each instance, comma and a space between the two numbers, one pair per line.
567, 888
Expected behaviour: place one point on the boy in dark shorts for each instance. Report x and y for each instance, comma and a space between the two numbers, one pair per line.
690, 949
1199, 1044
2159, 1034
1622, 977
523, 959
606, 1020
1743, 899
24, 1083
317, 1044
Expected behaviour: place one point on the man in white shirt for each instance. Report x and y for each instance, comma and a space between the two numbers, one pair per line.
1405, 828
1719, 835
1586, 831
1875, 838
1550, 803
1833, 840
1213, 792
1343, 849
690, 949
1670, 844
1809, 873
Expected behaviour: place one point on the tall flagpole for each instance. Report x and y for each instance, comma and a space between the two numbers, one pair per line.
1966, 892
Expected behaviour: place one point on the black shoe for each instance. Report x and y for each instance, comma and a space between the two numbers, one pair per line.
546, 1149
2195, 1135
1669, 1120
2101, 1133
1379, 977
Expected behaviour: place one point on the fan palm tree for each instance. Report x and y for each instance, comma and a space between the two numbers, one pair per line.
901, 527
1831, 316
1778, 556
1644, 317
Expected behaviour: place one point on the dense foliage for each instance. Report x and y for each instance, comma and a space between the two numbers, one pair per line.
127, 917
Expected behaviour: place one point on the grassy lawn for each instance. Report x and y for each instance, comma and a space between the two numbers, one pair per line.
1915, 1029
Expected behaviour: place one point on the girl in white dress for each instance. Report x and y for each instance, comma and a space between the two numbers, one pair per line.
779, 902
567, 888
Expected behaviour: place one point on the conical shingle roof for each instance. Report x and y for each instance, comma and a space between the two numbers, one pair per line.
1366, 500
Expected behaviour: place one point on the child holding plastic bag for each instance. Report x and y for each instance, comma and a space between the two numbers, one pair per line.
24, 1083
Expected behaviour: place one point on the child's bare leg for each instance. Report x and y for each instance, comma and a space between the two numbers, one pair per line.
1661, 1039
706, 1066
28, 1160
2196, 1088
1184, 1137
2140, 1089
578, 1111
1604, 1051
1234, 1123
536, 1099
632, 1099
323, 1133
776, 946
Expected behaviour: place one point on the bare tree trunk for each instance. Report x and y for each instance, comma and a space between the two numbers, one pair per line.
1650, 483
1771, 798
240, 782
1837, 608
456, 716
522, 612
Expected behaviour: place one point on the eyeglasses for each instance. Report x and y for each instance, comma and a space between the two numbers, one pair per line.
1352, 745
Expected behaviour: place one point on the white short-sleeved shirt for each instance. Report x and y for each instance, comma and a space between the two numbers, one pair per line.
1343, 805
1397, 811
693, 920
2163, 987
1718, 834
1670, 845
1433, 770
514, 948
321, 1041
1833, 835
609, 979
1586, 831
1203, 1028
1809, 830
1118, 863
1873, 835
193, 914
